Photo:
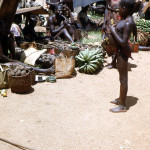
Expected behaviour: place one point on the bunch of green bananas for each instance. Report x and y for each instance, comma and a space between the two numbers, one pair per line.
89, 61
143, 25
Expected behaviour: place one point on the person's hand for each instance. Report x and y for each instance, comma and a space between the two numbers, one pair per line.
111, 27
66, 22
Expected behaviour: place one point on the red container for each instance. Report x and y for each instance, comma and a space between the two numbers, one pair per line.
134, 47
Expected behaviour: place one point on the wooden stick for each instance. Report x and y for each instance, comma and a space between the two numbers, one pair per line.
14, 144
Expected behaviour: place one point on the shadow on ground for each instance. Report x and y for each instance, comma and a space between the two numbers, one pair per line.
29, 92
130, 66
131, 101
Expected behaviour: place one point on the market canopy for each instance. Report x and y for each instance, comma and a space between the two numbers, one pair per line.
32, 11
83, 3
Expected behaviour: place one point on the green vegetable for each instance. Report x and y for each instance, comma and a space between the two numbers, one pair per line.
143, 25
89, 61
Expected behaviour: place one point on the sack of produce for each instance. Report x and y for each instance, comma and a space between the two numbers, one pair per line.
64, 67
3, 77
20, 79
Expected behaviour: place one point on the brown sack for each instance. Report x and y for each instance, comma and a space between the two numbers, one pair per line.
3, 77
64, 67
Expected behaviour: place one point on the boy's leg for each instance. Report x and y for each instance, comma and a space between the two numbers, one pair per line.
113, 63
122, 64
66, 34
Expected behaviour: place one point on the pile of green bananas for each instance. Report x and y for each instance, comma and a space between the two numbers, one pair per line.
89, 61
143, 25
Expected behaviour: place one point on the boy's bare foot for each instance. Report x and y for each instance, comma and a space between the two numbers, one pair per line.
119, 108
116, 102
110, 66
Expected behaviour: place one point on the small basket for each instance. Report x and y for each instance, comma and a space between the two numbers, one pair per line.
20, 84
134, 47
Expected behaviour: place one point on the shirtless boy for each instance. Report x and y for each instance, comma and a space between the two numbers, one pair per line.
121, 34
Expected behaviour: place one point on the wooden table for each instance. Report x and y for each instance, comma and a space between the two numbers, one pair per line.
146, 7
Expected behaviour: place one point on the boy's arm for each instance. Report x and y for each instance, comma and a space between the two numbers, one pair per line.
126, 34
52, 27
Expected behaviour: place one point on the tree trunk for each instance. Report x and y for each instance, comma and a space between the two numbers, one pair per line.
7, 11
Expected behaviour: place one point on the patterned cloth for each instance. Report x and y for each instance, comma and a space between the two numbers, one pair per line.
15, 30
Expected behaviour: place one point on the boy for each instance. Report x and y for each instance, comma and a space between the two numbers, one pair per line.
121, 34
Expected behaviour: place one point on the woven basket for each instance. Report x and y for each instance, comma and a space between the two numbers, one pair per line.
32, 76
20, 84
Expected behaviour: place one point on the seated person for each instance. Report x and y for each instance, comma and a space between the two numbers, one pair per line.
83, 19
16, 31
67, 13
29, 32
65, 29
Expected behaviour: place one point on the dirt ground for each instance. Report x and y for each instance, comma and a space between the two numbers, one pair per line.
73, 114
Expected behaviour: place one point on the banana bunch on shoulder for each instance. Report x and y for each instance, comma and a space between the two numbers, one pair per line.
89, 61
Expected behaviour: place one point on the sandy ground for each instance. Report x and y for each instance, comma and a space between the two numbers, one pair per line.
73, 114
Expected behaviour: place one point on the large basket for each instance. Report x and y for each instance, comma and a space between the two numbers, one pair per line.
20, 84
32, 76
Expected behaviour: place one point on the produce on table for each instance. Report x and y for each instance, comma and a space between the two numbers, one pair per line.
89, 61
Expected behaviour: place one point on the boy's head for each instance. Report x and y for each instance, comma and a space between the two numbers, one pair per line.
127, 6
58, 9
